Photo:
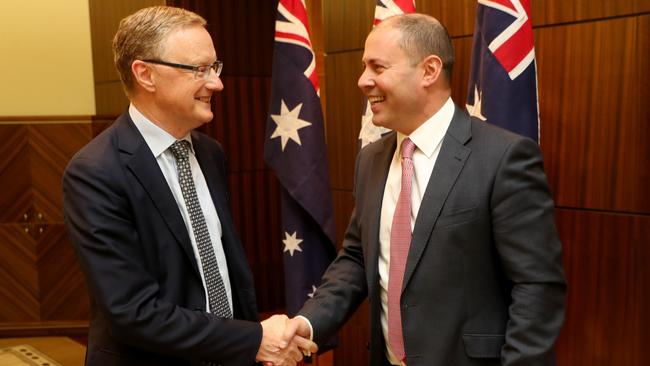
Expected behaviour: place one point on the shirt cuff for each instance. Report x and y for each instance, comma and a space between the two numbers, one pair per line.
311, 329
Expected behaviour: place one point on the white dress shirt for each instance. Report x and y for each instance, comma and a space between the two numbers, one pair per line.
159, 142
428, 139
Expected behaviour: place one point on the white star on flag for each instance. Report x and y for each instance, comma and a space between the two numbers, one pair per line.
369, 132
288, 123
291, 243
475, 110
313, 291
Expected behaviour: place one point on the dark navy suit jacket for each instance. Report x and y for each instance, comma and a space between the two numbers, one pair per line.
147, 298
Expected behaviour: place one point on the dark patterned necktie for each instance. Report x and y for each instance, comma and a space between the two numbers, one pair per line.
216, 290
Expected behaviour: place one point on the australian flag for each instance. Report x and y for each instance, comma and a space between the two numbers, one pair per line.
502, 86
295, 149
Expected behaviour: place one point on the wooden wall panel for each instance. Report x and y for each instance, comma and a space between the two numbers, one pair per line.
52, 146
19, 297
591, 103
15, 200
62, 289
606, 263
460, 72
547, 12
343, 116
457, 16
40, 280
346, 24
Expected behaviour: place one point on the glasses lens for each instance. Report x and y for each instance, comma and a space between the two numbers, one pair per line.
217, 66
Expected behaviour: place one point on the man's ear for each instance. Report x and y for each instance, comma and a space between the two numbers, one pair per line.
432, 69
143, 75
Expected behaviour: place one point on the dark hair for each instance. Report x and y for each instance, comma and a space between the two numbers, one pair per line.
421, 36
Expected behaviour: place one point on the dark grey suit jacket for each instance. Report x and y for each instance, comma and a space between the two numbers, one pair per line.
484, 283
147, 298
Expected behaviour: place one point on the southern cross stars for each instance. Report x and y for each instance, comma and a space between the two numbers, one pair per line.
288, 123
475, 110
291, 243
369, 132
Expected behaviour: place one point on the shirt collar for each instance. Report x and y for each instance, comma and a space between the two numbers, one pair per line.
430, 134
156, 138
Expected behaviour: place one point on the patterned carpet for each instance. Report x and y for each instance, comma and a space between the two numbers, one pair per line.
24, 355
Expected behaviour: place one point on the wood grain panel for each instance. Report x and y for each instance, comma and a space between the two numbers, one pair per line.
51, 147
460, 72
459, 15
592, 100
343, 116
546, 12
110, 98
354, 339
15, 200
456, 15
19, 288
62, 289
255, 205
606, 262
346, 24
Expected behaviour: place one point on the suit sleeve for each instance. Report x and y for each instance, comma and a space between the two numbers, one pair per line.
343, 286
530, 253
100, 222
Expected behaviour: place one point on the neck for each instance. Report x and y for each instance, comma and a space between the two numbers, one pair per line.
157, 117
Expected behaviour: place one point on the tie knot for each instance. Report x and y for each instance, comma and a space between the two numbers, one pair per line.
408, 147
180, 149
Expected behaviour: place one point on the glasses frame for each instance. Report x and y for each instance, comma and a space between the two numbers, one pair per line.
217, 67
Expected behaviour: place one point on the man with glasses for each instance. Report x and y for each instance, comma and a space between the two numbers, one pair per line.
146, 208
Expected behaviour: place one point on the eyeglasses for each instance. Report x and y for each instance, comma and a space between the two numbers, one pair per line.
200, 72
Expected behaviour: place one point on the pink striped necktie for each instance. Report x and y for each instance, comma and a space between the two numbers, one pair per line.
400, 241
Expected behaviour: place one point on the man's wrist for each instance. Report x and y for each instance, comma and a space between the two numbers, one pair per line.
311, 329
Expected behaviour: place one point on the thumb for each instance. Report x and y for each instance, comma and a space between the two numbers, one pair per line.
290, 329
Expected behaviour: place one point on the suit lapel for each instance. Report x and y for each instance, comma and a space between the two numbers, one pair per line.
380, 164
451, 159
141, 162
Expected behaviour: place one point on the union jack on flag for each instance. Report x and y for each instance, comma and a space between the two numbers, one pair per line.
295, 149
502, 86
384, 9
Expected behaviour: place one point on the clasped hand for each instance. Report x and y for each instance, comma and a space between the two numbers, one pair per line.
284, 341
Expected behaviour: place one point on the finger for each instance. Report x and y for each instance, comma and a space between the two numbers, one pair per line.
306, 345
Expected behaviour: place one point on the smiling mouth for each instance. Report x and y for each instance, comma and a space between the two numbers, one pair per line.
203, 99
376, 99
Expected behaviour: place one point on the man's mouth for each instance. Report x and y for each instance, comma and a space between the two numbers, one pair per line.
376, 99
205, 99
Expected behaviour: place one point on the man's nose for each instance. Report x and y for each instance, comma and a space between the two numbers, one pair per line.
365, 80
214, 82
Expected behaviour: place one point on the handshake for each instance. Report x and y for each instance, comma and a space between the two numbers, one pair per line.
285, 341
